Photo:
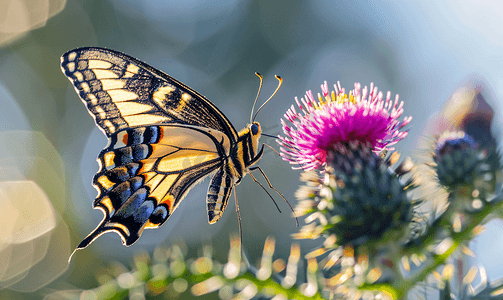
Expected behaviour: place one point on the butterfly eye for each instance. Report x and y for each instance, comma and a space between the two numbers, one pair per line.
254, 129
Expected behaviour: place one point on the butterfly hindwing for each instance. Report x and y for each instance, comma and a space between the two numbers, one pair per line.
122, 92
145, 172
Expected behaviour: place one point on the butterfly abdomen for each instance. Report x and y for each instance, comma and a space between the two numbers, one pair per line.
218, 193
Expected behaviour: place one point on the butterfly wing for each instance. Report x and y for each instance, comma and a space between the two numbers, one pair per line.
122, 92
163, 138
145, 172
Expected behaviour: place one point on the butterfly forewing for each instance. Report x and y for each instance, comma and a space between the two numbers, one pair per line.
122, 92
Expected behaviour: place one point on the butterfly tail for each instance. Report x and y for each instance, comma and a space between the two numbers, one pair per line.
129, 232
96, 233
128, 221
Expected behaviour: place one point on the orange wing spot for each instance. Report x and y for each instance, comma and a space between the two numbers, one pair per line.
108, 204
168, 200
109, 160
105, 182
147, 176
149, 225
161, 134
147, 166
125, 138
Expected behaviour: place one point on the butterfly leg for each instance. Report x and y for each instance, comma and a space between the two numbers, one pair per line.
239, 219
272, 187
260, 184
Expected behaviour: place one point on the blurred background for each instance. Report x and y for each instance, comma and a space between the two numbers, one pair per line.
424, 51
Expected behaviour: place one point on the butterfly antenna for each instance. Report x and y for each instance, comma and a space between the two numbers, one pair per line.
258, 93
279, 85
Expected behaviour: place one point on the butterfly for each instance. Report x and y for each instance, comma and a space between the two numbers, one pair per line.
163, 138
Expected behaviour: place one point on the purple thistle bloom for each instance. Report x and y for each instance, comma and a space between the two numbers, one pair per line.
363, 116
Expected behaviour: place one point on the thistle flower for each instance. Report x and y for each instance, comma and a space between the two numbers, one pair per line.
362, 116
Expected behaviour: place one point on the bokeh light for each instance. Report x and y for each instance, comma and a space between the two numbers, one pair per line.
18, 17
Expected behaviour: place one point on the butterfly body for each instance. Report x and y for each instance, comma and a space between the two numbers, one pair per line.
163, 138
